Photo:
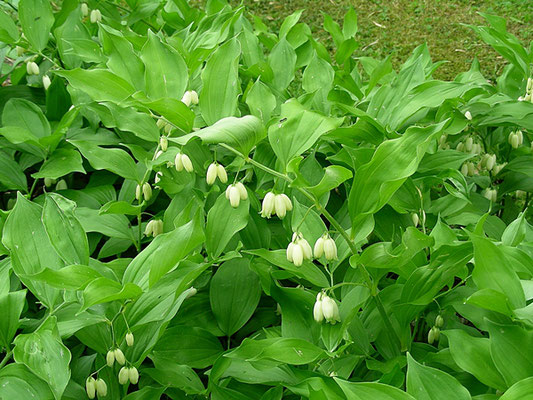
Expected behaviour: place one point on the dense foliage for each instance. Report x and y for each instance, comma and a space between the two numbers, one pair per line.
193, 206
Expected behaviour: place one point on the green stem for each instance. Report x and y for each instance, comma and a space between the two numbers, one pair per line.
6, 358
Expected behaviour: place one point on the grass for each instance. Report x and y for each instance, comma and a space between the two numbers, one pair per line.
396, 27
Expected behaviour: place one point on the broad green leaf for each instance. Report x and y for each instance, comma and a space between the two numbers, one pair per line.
165, 70
186, 345
112, 159
219, 97
45, 355
334, 175
24, 114
432, 384
36, 18
99, 84
307, 270
234, 294
371, 390
178, 376
8, 30
103, 290
164, 253
62, 162
72, 277
30, 249
261, 101
493, 271
223, 222
282, 60
122, 60
114, 226
17, 381
515, 231
241, 133
491, 299
11, 305
65, 232
472, 354
172, 110
393, 162
120, 207
520, 390
442, 160
11, 175
298, 130
511, 351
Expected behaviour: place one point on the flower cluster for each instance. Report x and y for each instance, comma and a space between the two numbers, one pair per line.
153, 228
276, 204
215, 171
298, 250
516, 139
326, 308
94, 387
183, 162
434, 332
326, 246
235, 193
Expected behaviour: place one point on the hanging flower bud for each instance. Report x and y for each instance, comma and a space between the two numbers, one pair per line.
268, 205
46, 82
318, 314
49, 182
158, 154
471, 169
431, 335
491, 195
297, 255
61, 185
194, 97
101, 388
415, 219
123, 376
318, 249
491, 162
35, 68
460, 146
233, 195
119, 356
439, 321
288, 202
158, 228
157, 178
211, 175
290, 251
192, 292
96, 16
221, 173
167, 128
468, 115
187, 98
280, 206
130, 339
299, 250
161, 123
469, 142
476, 148
330, 310
133, 375
516, 139
242, 190
163, 142
138, 193
520, 194
110, 358
147, 191
330, 249
20, 51
497, 168
84, 9
187, 164
90, 387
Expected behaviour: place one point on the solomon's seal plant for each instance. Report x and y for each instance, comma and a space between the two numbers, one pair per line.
195, 206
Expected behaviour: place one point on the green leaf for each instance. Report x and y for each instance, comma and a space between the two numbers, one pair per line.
122, 60
11, 175
511, 350
334, 175
120, 207
298, 131
8, 30
24, 114
65, 232
307, 270
492, 270
72, 277
99, 84
178, 376
223, 222
426, 383
241, 133
165, 70
45, 355
282, 60
261, 101
472, 354
219, 97
11, 305
30, 248
36, 19
164, 253
371, 390
393, 162
234, 294
186, 345
114, 226
112, 159
171, 109
17, 381
104, 290
520, 390
62, 162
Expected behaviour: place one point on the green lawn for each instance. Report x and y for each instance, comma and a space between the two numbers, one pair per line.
396, 27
